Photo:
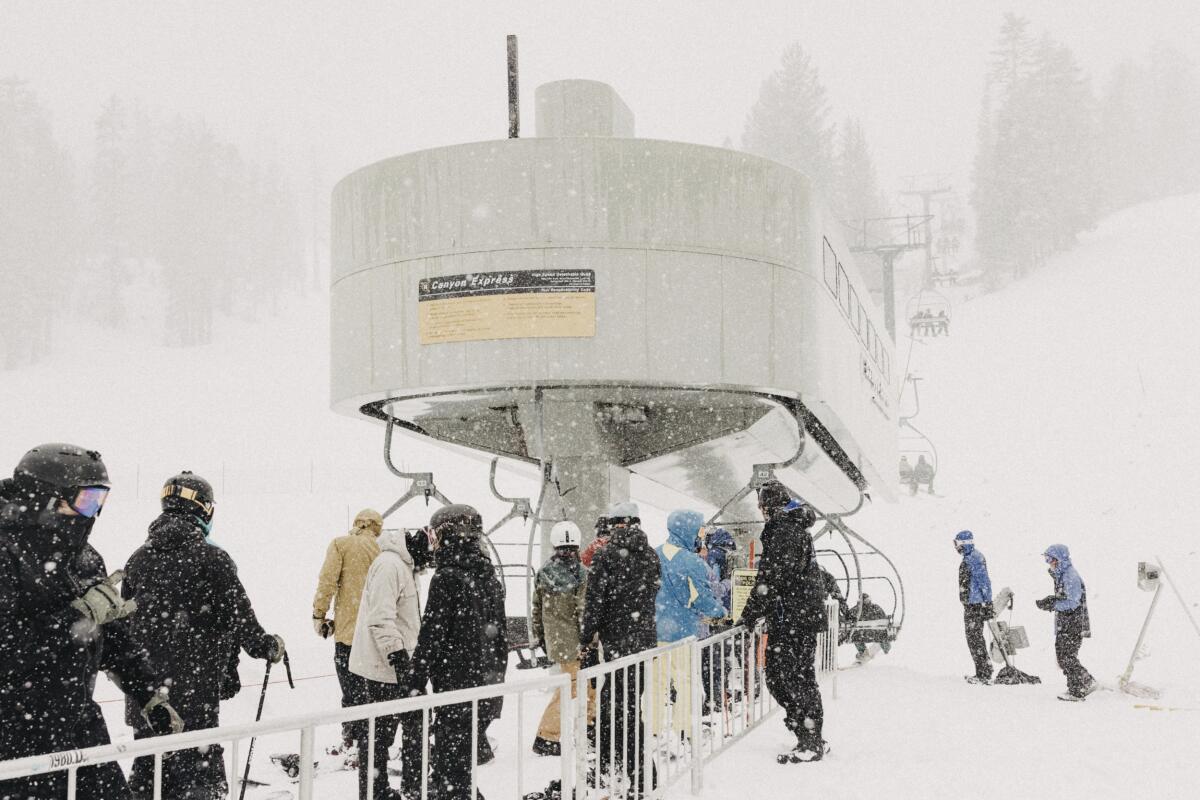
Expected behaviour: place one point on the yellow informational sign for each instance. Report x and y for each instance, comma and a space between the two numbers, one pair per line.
743, 581
512, 304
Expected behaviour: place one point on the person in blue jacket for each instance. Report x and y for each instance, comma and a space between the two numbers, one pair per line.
975, 594
1071, 623
685, 596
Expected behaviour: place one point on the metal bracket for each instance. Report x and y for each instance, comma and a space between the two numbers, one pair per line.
422, 482
521, 507
764, 473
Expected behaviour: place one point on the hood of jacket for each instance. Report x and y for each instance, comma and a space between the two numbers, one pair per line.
464, 552
683, 528
368, 522
394, 542
630, 537
1061, 554
174, 530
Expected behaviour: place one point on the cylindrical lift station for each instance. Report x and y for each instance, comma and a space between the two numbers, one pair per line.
599, 304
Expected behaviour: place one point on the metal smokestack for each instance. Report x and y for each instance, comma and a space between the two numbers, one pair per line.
514, 100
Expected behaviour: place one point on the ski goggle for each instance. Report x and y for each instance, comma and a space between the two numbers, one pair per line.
187, 493
88, 501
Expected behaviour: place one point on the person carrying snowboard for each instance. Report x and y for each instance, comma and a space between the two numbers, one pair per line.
193, 617
1071, 623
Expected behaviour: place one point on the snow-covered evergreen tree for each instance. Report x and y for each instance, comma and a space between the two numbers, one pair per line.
856, 194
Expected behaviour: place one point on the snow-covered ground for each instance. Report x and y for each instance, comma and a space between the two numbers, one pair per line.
1063, 409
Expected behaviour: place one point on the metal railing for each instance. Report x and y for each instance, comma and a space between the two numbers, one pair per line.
306, 726
638, 725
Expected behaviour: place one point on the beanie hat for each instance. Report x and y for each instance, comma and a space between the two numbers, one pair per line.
966, 537
623, 512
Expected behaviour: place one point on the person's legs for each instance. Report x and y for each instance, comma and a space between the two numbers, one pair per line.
385, 735
1066, 648
783, 675
808, 695
411, 752
973, 625
452, 757
354, 690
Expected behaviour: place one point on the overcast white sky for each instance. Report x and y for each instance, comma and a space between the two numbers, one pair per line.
355, 82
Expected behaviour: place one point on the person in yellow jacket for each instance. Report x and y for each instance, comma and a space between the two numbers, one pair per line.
341, 583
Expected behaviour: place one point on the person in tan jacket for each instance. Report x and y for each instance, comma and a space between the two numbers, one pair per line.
557, 606
341, 582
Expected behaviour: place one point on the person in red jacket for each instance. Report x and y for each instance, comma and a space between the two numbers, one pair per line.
602, 534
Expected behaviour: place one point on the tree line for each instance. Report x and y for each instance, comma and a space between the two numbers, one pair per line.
164, 226
1053, 156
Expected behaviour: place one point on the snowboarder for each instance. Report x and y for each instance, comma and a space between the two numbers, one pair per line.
193, 617
341, 582
558, 598
975, 594
618, 616
63, 621
387, 625
1071, 623
461, 644
789, 594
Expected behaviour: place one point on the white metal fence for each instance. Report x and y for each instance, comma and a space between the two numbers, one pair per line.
638, 724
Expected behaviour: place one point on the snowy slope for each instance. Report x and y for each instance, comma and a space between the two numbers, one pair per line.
1063, 410
1060, 413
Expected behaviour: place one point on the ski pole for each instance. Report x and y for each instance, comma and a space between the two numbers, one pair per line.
287, 665
261, 699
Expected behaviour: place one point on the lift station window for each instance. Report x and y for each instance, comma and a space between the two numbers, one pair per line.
856, 316
829, 266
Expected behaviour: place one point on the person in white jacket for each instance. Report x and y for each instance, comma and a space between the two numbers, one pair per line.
385, 635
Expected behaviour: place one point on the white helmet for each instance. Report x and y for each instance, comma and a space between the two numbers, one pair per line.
565, 534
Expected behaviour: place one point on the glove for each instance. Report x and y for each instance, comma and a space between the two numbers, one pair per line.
275, 649
161, 717
323, 627
103, 603
400, 663
1046, 603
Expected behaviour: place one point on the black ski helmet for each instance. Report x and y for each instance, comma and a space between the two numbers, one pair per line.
460, 519
189, 493
61, 466
773, 496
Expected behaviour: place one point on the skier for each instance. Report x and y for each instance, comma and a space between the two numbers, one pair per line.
906, 472
618, 616
63, 621
461, 644
922, 473
975, 594
1071, 623
601, 539
385, 636
193, 617
557, 607
341, 582
789, 594
685, 598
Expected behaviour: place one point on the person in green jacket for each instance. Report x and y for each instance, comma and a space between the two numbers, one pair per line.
557, 608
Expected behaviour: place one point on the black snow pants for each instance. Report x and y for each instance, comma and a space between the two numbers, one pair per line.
451, 758
974, 618
191, 774
620, 734
1067, 641
792, 681
354, 690
88, 729
385, 736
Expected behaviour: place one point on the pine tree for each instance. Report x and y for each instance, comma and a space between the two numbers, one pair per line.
790, 120
856, 196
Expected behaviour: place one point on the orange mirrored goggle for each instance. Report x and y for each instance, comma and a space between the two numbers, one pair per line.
187, 493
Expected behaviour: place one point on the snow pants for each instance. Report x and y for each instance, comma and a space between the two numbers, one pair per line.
451, 757
20, 738
550, 727
354, 689
974, 618
385, 736
792, 681
620, 734
1067, 642
192, 774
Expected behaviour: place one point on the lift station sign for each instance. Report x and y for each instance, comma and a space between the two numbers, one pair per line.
512, 304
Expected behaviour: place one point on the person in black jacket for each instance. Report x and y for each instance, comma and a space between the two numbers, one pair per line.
63, 620
193, 616
790, 595
461, 644
619, 616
